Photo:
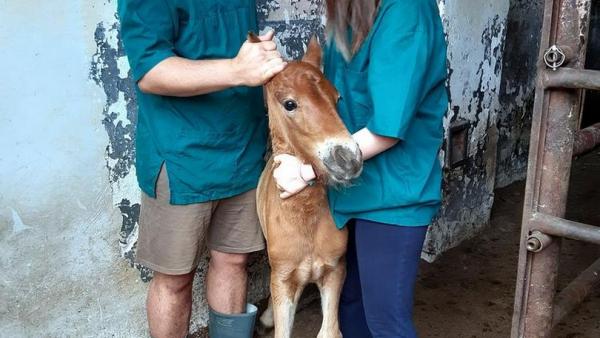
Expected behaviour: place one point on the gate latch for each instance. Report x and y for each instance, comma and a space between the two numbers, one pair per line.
554, 57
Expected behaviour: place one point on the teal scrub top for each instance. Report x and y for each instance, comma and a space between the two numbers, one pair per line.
395, 87
212, 145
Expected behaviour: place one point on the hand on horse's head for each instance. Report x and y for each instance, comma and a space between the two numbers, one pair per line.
258, 60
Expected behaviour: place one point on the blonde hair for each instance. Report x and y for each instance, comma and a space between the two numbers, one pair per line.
357, 15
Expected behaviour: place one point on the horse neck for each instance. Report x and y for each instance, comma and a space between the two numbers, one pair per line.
281, 144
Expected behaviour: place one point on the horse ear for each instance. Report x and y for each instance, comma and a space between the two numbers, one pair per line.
252, 37
313, 53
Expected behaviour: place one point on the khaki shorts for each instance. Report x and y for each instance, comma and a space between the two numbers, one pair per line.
172, 237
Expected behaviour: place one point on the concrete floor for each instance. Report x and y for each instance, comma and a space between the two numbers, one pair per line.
469, 291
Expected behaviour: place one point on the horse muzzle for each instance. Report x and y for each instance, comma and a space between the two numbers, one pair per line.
343, 162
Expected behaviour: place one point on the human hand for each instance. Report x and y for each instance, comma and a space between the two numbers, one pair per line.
257, 62
291, 175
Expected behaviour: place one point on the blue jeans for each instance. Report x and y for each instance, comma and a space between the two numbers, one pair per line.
382, 264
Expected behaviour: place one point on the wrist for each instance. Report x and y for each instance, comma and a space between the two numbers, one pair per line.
307, 173
236, 73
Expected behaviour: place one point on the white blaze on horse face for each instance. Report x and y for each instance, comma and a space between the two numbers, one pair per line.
324, 148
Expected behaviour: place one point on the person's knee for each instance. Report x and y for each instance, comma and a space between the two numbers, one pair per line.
173, 284
228, 261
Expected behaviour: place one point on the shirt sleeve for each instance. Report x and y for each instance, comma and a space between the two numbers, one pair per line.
147, 32
398, 68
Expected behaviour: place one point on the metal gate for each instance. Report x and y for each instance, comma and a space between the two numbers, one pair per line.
555, 139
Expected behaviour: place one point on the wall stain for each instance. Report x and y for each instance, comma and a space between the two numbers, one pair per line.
120, 117
475, 68
517, 89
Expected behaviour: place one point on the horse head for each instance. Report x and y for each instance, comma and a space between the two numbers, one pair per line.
304, 122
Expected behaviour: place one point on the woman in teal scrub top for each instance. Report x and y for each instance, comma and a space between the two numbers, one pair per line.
387, 59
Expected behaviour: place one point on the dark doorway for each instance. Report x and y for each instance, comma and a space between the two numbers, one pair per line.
591, 108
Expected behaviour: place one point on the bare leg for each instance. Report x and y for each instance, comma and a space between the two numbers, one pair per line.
330, 287
226, 282
169, 305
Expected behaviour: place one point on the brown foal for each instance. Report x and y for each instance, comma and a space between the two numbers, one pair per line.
303, 243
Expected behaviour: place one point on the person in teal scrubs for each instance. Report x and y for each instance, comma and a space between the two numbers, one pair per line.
389, 66
200, 142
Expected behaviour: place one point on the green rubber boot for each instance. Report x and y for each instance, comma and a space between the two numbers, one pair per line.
221, 325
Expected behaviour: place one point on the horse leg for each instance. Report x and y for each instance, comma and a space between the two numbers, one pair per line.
284, 296
330, 287
266, 321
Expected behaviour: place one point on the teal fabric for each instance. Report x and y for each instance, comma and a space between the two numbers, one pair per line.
395, 86
212, 145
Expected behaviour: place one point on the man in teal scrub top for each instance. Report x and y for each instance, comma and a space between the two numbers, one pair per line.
387, 59
201, 137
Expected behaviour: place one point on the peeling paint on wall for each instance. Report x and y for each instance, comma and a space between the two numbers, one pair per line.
294, 23
476, 34
518, 89
110, 71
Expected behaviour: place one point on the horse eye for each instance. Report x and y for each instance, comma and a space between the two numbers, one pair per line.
290, 105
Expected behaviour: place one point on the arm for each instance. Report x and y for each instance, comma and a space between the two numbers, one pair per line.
175, 76
371, 144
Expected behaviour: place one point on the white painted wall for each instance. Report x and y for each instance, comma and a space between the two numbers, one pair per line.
61, 274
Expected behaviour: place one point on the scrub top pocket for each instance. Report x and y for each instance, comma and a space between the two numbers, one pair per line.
358, 98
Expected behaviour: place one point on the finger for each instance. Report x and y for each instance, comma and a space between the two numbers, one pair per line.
268, 45
273, 66
268, 36
272, 55
274, 70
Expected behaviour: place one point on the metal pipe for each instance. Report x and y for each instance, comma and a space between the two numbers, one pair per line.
586, 139
571, 78
555, 116
560, 227
576, 292
538, 241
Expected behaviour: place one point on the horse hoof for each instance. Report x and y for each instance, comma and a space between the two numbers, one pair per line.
262, 330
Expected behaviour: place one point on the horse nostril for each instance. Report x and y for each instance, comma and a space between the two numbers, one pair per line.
341, 155
347, 160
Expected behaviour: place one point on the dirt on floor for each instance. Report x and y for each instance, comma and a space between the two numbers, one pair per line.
468, 292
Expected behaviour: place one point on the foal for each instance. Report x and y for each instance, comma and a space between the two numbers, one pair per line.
303, 242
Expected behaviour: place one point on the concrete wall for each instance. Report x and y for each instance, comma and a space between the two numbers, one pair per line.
69, 202
476, 33
61, 274
518, 89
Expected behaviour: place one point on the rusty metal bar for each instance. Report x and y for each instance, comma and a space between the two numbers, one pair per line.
556, 226
586, 139
555, 117
576, 292
571, 78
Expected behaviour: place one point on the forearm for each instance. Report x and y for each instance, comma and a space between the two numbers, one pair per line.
176, 76
372, 144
